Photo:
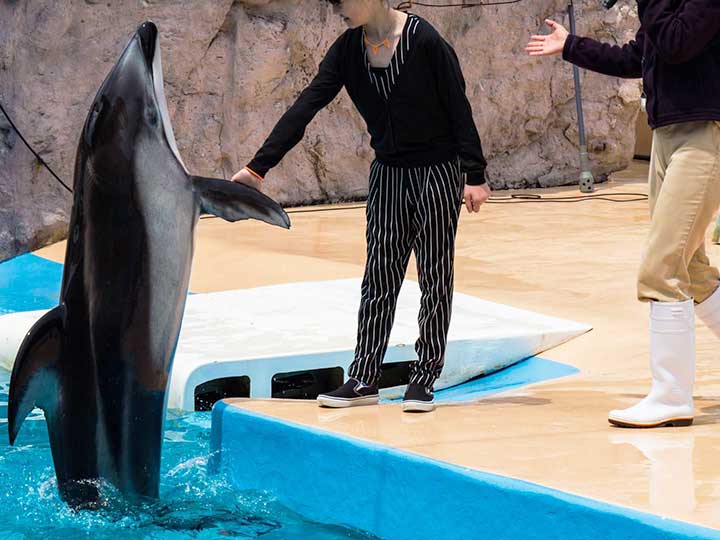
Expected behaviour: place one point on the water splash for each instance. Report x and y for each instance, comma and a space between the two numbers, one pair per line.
192, 504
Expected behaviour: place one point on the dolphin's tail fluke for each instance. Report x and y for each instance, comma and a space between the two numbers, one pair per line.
234, 201
34, 377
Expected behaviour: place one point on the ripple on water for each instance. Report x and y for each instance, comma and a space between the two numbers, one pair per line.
192, 504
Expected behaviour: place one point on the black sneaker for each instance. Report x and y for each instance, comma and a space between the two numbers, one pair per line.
418, 399
351, 394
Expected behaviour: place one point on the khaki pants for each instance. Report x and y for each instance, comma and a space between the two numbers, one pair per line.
684, 196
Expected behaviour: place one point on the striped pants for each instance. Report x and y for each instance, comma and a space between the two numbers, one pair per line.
409, 209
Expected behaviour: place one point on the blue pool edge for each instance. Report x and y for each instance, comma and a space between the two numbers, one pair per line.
397, 495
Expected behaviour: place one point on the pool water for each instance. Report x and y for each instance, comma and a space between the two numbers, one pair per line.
192, 504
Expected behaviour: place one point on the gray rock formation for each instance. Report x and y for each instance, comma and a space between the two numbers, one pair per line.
233, 67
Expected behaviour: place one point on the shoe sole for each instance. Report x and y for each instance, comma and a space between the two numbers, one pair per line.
673, 422
340, 403
418, 406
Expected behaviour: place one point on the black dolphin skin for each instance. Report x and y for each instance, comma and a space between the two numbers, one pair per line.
98, 364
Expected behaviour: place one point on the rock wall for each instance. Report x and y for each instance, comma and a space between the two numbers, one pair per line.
233, 67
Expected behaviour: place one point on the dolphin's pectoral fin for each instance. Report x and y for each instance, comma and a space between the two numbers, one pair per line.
32, 383
234, 201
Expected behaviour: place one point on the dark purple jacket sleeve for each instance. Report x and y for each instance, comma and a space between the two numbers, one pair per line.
290, 129
681, 32
614, 60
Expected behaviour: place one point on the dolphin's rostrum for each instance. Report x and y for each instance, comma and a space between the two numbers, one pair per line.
98, 364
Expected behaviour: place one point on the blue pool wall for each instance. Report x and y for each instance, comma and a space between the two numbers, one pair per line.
397, 495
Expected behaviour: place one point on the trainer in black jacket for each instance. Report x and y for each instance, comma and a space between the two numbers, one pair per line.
407, 128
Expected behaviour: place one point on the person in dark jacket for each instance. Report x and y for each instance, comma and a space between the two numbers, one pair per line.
677, 53
405, 80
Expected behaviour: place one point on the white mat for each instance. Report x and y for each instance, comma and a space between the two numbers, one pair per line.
299, 326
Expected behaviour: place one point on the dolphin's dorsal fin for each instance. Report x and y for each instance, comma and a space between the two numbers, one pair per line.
32, 381
233, 201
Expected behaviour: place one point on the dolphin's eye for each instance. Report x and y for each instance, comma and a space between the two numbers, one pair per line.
151, 116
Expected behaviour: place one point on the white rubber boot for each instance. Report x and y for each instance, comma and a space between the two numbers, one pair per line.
709, 312
672, 363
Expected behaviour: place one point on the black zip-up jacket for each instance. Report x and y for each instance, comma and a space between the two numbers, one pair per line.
676, 52
426, 120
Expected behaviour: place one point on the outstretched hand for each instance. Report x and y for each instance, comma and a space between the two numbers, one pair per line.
546, 45
243, 176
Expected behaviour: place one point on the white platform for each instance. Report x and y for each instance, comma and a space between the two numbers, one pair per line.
300, 326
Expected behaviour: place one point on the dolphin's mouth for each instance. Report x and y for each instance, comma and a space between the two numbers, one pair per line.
148, 34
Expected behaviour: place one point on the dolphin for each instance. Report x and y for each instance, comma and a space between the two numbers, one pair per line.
98, 364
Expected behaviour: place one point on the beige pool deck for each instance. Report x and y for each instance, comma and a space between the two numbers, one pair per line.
575, 261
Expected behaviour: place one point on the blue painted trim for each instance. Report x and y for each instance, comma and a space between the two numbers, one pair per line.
530, 371
397, 495
29, 282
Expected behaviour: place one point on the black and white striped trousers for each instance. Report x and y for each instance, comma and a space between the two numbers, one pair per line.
408, 209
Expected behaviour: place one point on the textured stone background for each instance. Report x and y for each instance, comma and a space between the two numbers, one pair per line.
233, 67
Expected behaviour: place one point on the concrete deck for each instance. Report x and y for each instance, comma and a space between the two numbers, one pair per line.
575, 261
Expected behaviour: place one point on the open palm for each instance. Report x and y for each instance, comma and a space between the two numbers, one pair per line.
550, 44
